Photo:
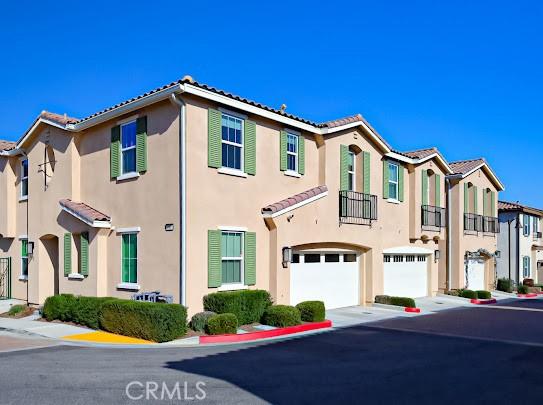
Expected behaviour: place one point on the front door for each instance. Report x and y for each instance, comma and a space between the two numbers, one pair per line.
5, 277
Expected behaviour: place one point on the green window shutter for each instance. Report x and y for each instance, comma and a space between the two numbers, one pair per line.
343, 167
301, 154
115, 152
283, 151
249, 147
484, 194
475, 201
84, 254
438, 190
424, 187
366, 168
492, 204
249, 258
214, 147
400, 182
214, 258
67, 253
141, 144
466, 198
24, 248
385, 179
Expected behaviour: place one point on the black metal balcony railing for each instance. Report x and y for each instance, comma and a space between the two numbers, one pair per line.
433, 216
537, 235
357, 208
473, 222
491, 225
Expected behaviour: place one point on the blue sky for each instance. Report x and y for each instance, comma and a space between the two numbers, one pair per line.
464, 77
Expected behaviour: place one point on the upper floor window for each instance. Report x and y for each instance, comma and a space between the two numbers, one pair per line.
351, 163
24, 178
128, 147
292, 152
526, 271
526, 224
536, 224
232, 142
393, 180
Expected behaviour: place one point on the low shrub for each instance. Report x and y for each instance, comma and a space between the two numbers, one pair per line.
144, 320
522, 289
59, 307
87, 310
398, 301
483, 295
199, 321
247, 305
311, 311
528, 282
220, 324
468, 294
281, 316
504, 284
454, 293
16, 309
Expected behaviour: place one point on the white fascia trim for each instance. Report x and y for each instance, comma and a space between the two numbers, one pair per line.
134, 229
232, 228
407, 250
36, 124
293, 207
375, 138
405, 159
94, 224
491, 173
12, 152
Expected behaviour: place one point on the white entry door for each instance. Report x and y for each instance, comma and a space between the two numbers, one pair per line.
405, 275
475, 274
332, 277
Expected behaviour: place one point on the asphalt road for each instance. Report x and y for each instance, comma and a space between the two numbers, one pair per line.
474, 355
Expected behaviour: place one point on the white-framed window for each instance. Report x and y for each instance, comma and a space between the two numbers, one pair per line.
292, 152
536, 225
129, 254
128, 147
232, 257
526, 224
387, 259
24, 258
526, 271
351, 170
398, 259
393, 180
232, 142
24, 178
421, 258
410, 258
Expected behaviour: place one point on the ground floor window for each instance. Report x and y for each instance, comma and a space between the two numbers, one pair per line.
129, 258
24, 258
526, 266
232, 257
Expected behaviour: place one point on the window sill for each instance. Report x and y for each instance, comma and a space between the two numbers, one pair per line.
128, 286
232, 172
233, 287
127, 176
292, 173
75, 276
23, 278
393, 201
25, 198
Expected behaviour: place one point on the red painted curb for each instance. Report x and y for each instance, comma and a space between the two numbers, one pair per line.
483, 301
529, 295
416, 310
244, 337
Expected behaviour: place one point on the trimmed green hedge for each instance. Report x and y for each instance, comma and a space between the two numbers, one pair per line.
144, 320
468, 294
398, 301
221, 324
87, 310
522, 289
59, 307
199, 321
247, 305
311, 311
483, 295
504, 284
281, 316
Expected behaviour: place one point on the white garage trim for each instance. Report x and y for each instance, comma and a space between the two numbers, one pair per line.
407, 250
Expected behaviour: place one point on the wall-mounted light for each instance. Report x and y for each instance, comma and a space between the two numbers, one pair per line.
287, 256
168, 227
497, 254
30, 248
437, 255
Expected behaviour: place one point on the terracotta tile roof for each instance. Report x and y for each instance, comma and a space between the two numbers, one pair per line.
59, 119
84, 211
419, 154
342, 121
6, 145
295, 199
466, 166
512, 206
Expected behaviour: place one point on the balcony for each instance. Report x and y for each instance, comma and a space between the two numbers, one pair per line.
491, 225
479, 223
357, 208
432, 217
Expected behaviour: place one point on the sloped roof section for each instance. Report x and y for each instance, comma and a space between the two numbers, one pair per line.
296, 200
512, 206
420, 153
6, 145
466, 166
86, 213
57, 118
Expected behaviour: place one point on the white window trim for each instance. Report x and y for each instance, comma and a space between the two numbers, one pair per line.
232, 287
295, 154
393, 201
76, 276
395, 182
352, 172
23, 276
24, 197
134, 229
232, 228
526, 225
240, 145
128, 119
127, 149
233, 113
129, 286
129, 175
232, 172
292, 174
241, 285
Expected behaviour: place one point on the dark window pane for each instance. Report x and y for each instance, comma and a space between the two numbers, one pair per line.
225, 155
129, 161
295, 258
237, 157
128, 135
349, 257
331, 258
291, 162
312, 258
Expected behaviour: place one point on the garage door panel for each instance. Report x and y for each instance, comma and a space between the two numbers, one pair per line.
406, 279
475, 275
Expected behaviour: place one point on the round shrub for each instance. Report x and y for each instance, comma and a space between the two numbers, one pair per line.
247, 305
504, 284
528, 282
468, 294
281, 316
398, 301
198, 322
522, 289
483, 295
311, 311
222, 324
59, 307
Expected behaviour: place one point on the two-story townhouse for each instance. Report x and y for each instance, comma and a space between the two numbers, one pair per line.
520, 242
472, 192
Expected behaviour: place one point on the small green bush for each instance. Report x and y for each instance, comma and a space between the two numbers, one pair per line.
221, 324
398, 301
468, 294
522, 289
454, 293
528, 282
504, 284
199, 321
281, 316
247, 305
16, 309
87, 310
59, 307
311, 311
483, 295
144, 320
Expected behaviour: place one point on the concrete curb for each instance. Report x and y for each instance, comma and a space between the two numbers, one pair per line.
396, 308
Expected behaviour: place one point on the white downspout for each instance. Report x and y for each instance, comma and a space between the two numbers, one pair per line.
449, 233
182, 179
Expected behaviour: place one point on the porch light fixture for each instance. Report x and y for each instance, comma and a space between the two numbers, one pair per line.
437, 255
497, 254
30, 248
287, 256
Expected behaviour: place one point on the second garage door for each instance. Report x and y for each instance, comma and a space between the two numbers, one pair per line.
475, 274
331, 277
405, 275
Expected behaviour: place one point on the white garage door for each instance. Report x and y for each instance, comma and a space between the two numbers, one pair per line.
326, 276
475, 274
405, 275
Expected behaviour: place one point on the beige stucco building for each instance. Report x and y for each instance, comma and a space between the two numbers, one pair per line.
189, 190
